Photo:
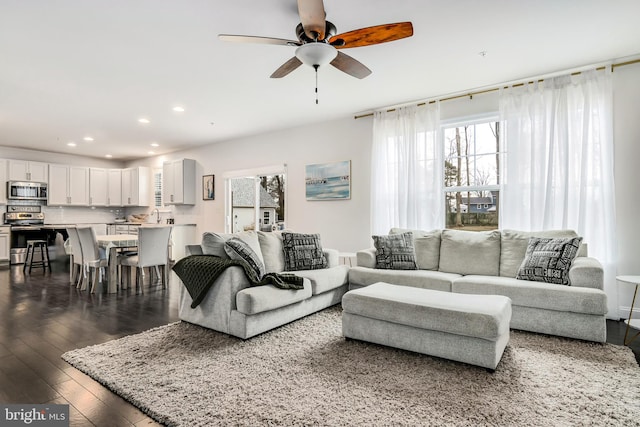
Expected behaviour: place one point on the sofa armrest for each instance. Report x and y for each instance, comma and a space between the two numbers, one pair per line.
332, 257
193, 250
587, 272
366, 258
215, 309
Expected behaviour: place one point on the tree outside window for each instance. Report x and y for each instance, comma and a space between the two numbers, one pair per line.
472, 175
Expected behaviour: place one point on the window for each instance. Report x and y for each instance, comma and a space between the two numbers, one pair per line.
157, 188
472, 158
255, 197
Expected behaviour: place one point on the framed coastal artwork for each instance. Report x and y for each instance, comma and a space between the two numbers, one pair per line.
328, 181
208, 187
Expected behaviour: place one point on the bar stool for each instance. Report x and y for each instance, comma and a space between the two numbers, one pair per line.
44, 256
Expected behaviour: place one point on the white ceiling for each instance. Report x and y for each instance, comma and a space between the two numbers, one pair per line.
76, 68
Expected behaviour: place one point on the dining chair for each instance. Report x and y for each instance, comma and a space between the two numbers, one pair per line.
153, 251
94, 260
76, 262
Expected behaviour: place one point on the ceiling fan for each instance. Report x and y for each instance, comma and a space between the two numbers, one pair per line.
318, 43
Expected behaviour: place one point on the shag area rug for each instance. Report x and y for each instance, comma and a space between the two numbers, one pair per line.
305, 373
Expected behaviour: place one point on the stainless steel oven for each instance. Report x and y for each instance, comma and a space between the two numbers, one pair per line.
27, 190
26, 224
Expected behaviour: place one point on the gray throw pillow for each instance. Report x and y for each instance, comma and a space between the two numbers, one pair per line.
239, 250
303, 252
213, 244
395, 252
426, 245
549, 260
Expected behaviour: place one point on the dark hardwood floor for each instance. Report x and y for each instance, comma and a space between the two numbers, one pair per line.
41, 317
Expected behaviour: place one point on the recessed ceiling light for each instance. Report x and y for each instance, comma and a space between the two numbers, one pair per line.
155, 144
71, 144
144, 121
88, 138
178, 109
108, 156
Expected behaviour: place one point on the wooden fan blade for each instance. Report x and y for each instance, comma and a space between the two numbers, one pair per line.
312, 17
286, 68
373, 35
257, 39
350, 66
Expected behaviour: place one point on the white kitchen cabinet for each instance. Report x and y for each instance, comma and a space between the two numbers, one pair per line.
3, 181
68, 185
105, 187
135, 186
5, 243
179, 182
98, 187
24, 170
114, 187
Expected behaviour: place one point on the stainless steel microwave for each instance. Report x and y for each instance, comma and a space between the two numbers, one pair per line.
26, 190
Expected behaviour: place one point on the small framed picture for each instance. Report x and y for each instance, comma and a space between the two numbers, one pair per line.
208, 187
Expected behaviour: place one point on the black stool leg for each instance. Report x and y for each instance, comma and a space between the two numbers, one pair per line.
48, 264
26, 259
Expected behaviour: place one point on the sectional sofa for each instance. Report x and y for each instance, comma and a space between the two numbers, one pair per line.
487, 263
234, 307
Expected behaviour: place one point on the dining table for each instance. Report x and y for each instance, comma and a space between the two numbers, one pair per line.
112, 244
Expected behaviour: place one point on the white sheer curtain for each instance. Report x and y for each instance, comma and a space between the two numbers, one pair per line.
407, 169
559, 163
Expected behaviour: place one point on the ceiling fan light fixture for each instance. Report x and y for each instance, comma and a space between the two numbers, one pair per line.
316, 54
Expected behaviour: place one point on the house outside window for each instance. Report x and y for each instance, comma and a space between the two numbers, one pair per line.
473, 158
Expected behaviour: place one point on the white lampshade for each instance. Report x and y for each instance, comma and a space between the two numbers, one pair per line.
316, 53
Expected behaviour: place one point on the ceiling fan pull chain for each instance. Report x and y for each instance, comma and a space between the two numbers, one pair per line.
315, 67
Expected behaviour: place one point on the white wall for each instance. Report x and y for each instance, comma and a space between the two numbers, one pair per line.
343, 224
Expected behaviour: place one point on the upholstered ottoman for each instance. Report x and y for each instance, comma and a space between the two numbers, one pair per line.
472, 329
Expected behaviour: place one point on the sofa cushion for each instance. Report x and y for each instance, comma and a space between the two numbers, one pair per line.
395, 252
536, 294
326, 279
238, 249
302, 252
272, 251
514, 246
213, 243
470, 252
426, 245
549, 260
426, 279
259, 299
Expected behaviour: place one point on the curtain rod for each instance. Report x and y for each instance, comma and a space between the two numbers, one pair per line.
480, 92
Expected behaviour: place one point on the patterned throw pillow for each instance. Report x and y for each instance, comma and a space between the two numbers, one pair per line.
302, 252
238, 249
549, 260
395, 252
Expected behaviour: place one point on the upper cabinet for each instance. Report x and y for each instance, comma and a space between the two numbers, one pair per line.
179, 182
135, 186
3, 181
114, 187
23, 170
105, 187
98, 187
68, 185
